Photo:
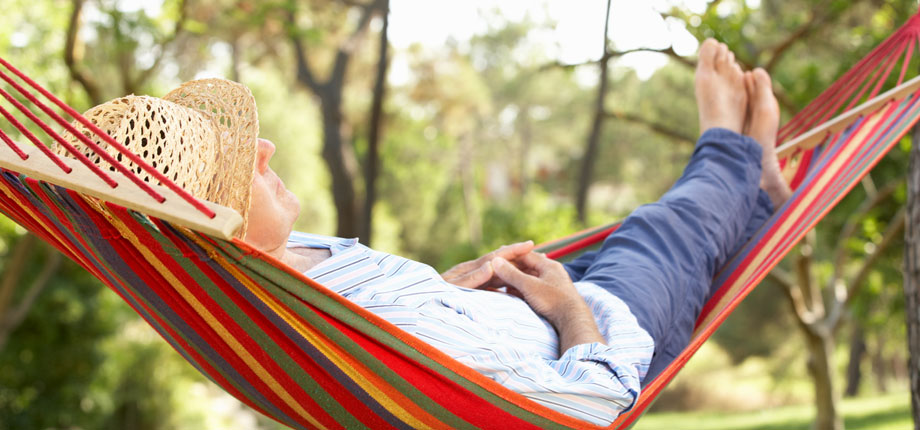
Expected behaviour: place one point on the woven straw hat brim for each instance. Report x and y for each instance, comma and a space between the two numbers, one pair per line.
232, 110
201, 135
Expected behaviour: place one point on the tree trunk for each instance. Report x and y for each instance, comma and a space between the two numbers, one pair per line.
337, 150
336, 157
468, 184
586, 172
857, 352
912, 274
373, 139
821, 367
880, 364
524, 153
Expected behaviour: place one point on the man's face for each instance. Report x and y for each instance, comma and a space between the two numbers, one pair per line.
273, 209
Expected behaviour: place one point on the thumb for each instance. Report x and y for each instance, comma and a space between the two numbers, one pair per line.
510, 274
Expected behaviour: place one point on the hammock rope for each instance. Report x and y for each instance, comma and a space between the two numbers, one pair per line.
297, 352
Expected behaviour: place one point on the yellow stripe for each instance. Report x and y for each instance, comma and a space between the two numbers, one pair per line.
317, 341
212, 321
61, 237
826, 175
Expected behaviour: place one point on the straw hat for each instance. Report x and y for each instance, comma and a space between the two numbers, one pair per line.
201, 135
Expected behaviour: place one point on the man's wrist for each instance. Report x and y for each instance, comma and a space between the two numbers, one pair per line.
573, 311
576, 326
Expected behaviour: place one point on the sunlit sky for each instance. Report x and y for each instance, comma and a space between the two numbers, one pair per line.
576, 38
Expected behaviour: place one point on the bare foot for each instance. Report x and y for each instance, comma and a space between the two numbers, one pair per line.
762, 126
720, 93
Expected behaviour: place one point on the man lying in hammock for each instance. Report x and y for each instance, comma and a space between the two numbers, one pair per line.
581, 337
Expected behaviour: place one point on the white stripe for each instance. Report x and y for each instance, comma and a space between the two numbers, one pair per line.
493, 333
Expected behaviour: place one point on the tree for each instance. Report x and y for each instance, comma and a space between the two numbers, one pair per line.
337, 148
373, 135
587, 161
912, 273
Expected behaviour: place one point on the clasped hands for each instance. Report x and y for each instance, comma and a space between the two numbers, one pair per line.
540, 281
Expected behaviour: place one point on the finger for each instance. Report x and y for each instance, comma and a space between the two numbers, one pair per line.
474, 278
497, 282
534, 260
461, 269
512, 275
513, 251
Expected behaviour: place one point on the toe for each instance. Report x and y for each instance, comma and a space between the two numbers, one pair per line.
708, 51
762, 84
725, 59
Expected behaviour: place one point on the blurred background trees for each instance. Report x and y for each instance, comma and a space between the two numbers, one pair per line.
441, 151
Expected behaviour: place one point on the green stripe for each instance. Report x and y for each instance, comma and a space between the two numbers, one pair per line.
259, 336
345, 315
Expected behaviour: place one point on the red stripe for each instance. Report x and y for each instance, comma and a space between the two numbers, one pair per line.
720, 292
291, 348
437, 387
31, 223
177, 302
582, 243
123, 248
420, 346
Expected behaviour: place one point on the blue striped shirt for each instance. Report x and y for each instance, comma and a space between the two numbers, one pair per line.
495, 333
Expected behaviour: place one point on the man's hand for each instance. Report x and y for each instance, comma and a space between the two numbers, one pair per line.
546, 286
478, 273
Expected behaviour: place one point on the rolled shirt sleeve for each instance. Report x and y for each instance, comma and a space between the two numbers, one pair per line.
589, 381
594, 382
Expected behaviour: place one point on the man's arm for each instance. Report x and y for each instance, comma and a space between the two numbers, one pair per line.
545, 285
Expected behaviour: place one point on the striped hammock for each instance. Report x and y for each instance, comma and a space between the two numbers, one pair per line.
294, 351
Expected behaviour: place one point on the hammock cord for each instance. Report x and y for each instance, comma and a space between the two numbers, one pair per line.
86, 140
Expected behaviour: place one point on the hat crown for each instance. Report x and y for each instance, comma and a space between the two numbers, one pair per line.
202, 136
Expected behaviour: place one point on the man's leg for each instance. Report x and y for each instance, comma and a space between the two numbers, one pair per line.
662, 259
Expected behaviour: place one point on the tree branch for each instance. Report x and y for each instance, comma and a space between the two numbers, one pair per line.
669, 51
15, 264
793, 294
654, 126
816, 21
892, 233
304, 74
14, 318
805, 280
77, 73
852, 223
354, 40
177, 31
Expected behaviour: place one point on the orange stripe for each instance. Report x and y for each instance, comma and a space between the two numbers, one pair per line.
215, 324
388, 396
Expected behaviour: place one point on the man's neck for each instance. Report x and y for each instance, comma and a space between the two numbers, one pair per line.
303, 259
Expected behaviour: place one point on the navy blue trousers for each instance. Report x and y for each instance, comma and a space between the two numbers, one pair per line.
662, 259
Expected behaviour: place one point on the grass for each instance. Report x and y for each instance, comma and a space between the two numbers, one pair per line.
882, 412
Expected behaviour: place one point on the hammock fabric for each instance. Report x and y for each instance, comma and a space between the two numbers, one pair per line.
293, 350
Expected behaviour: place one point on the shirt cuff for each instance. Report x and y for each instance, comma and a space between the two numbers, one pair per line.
604, 354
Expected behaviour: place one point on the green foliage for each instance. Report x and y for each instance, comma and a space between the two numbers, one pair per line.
480, 148
888, 412
55, 356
